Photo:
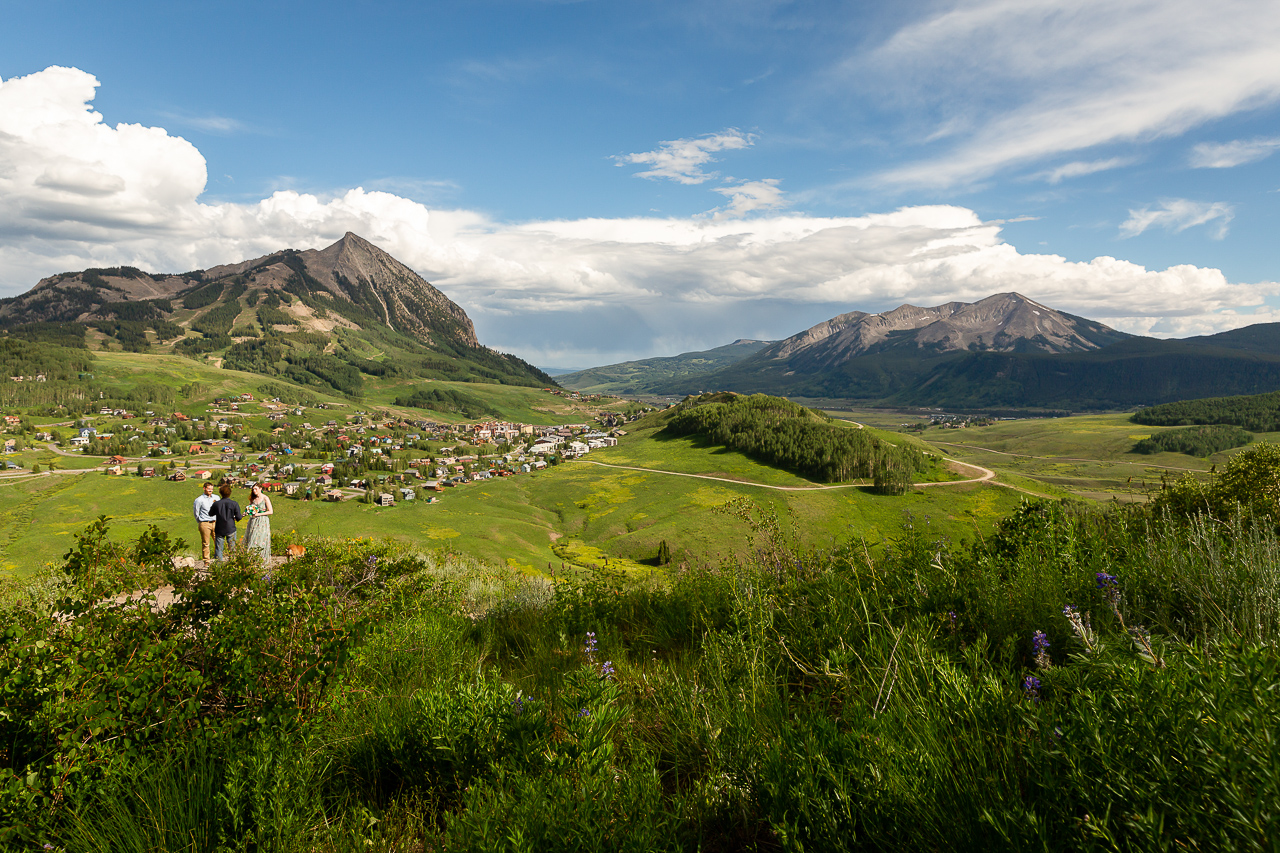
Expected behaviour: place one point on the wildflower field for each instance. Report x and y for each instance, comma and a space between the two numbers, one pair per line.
1078, 679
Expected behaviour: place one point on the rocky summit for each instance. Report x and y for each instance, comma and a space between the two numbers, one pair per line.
352, 270
1005, 322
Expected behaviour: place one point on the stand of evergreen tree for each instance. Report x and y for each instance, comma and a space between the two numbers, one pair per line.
1195, 441
778, 432
1256, 412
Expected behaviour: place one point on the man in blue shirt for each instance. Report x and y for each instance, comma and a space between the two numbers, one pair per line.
203, 509
226, 513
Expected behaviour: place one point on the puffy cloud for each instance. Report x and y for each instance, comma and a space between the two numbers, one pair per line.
75, 192
1179, 214
1031, 80
681, 160
1224, 155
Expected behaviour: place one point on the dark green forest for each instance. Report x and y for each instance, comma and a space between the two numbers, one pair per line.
1195, 441
1257, 412
778, 432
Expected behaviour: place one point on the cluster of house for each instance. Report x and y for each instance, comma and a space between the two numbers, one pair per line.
358, 435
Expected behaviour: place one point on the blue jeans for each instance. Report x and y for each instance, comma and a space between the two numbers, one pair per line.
218, 541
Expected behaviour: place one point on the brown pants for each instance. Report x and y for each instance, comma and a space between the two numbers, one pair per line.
206, 536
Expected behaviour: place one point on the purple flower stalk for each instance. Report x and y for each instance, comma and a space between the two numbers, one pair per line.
1040, 649
1031, 688
584, 713
607, 671
590, 647
1110, 586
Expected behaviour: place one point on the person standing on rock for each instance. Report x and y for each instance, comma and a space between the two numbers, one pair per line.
226, 513
203, 509
257, 536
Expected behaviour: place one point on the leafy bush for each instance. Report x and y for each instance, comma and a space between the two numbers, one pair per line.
1250, 481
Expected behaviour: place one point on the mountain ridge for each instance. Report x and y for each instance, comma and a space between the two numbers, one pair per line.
330, 314
1003, 352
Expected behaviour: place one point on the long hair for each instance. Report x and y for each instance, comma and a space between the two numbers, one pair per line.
257, 486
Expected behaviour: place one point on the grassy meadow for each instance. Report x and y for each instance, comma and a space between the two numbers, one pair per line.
1088, 456
515, 521
1076, 679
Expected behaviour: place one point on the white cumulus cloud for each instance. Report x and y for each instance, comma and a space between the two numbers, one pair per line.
77, 192
681, 160
1179, 214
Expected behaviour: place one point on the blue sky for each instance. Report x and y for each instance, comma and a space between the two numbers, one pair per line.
597, 180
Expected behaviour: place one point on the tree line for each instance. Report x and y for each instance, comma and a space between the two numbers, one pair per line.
1256, 412
778, 432
1195, 441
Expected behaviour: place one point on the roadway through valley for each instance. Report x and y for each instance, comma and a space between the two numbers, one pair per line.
986, 475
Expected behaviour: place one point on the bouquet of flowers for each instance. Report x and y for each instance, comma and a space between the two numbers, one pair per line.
251, 510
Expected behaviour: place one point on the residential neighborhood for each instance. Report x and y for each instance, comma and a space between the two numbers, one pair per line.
315, 452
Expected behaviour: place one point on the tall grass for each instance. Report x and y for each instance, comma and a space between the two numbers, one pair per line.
842, 700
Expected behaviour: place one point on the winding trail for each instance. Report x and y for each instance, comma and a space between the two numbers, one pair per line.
1068, 458
986, 475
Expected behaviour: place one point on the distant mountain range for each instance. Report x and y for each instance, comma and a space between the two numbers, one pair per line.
656, 375
317, 316
1003, 352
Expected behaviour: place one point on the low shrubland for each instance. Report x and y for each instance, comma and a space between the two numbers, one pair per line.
1078, 679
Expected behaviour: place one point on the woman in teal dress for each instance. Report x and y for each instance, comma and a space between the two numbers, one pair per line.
257, 537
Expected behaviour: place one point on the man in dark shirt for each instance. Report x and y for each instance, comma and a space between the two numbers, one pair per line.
226, 513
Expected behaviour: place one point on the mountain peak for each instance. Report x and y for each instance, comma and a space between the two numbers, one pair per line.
1002, 322
358, 270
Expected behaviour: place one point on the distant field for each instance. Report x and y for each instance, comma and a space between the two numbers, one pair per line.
1086, 455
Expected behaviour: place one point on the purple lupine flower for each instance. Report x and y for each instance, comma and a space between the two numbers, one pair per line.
590, 647
1110, 586
518, 705
607, 671
1040, 649
1031, 688
584, 713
